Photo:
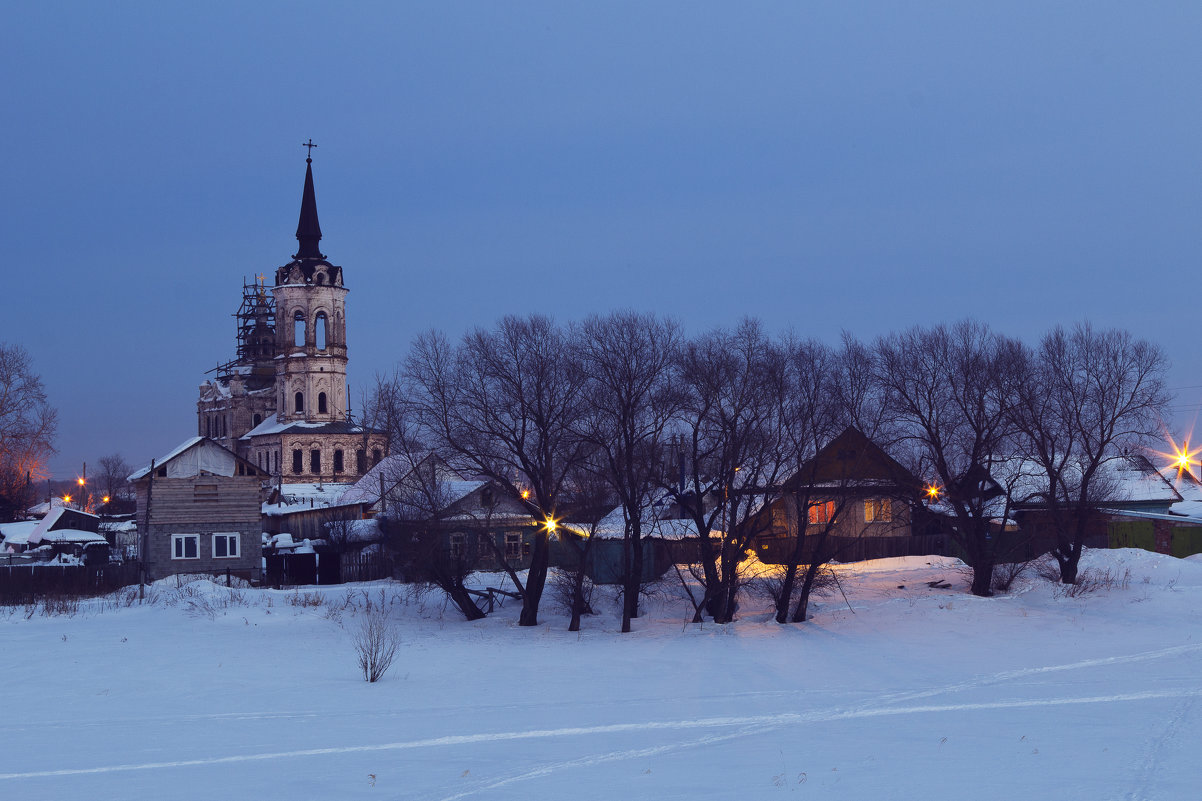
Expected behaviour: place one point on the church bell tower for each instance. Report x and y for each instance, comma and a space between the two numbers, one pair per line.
310, 326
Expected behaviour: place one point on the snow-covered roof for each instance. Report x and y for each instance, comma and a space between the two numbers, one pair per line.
17, 533
273, 425
1126, 479
294, 496
44, 507
391, 469
72, 535
613, 527
183, 446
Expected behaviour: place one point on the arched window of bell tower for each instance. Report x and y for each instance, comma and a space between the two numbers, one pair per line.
319, 330
300, 402
298, 329
321, 403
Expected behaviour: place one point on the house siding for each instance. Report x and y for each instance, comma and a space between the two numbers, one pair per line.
220, 505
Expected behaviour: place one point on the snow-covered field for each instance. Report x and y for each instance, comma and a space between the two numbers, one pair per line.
918, 693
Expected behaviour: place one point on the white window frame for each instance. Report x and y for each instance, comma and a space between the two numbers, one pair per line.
179, 545
513, 539
230, 537
458, 542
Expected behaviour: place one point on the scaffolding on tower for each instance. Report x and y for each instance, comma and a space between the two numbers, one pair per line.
256, 337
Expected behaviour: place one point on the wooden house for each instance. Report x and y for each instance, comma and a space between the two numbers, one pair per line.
472, 520
852, 493
199, 511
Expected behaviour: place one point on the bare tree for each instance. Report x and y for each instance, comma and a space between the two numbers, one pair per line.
824, 390
27, 428
587, 499
431, 547
730, 436
951, 391
1083, 397
505, 404
114, 471
625, 362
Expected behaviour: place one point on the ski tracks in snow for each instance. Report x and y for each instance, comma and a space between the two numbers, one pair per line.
887, 704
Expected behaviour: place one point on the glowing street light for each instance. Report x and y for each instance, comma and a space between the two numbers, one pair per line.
932, 492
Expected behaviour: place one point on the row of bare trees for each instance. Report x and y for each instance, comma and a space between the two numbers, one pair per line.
551, 412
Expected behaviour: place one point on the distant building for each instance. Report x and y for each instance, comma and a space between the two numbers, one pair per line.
282, 402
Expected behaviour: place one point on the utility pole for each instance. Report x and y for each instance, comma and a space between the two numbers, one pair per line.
143, 539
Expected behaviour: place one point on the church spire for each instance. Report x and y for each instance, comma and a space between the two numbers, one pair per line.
308, 231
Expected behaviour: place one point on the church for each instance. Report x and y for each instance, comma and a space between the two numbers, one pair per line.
282, 402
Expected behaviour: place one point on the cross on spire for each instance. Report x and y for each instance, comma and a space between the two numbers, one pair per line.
309, 145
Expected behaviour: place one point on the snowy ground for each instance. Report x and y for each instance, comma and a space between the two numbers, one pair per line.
920, 693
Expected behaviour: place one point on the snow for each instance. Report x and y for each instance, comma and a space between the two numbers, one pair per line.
613, 527
308, 495
912, 692
183, 446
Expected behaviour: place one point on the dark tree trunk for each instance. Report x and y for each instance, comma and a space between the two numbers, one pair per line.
709, 566
466, 603
536, 579
634, 579
1068, 557
982, 578
802, 612
786, 592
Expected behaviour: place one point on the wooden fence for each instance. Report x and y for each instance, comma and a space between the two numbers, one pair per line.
365, 567
23, 582
776, 550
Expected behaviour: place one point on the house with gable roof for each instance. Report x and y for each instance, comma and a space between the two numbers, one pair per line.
199, 511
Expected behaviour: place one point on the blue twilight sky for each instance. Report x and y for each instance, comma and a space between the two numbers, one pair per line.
824, 166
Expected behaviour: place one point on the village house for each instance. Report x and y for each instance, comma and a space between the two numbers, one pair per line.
856, 495
200, 511
474, 519
64, 534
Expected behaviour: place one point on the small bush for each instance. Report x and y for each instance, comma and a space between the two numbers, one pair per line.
1006, 573
1090, 581
563, 588
376, 642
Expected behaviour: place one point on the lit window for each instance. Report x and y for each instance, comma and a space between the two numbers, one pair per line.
225, 546
513, 546
185, 546
878, 510
822, 512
